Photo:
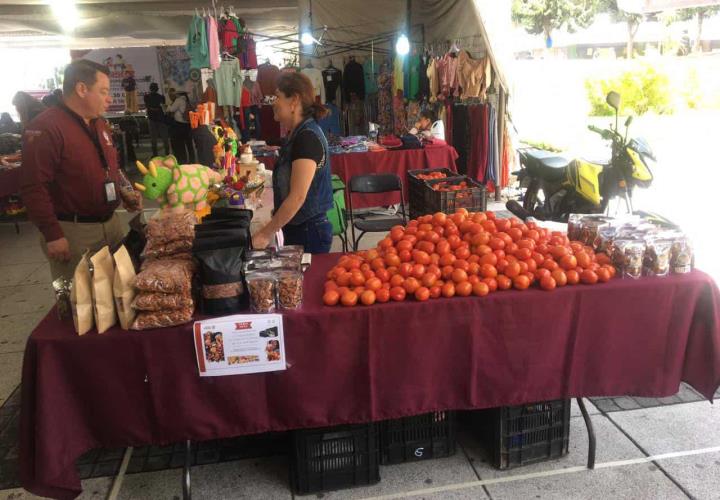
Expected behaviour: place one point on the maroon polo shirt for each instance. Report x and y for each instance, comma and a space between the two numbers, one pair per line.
62, 172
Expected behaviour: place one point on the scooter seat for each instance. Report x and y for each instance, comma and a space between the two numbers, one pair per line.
545, 165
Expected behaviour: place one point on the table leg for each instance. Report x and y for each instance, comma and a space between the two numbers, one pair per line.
187, 495
591, 434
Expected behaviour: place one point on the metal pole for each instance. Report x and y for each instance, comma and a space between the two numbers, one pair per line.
501, 137
187, 493
591, 434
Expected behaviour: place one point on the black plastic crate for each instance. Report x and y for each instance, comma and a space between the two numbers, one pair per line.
333, 458
472, 197
421, 437
525, 434
417, 186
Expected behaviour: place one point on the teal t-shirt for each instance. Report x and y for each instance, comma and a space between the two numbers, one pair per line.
371, 72
197, 44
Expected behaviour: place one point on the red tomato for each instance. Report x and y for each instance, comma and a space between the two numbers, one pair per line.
421, 257
480, 289
523, 253
548, 283
512, 270
459, 275
422, 294
435, 291
428, 279
603, 275
550, 265
448, 290
473, 267
461, 264
521, 282
463, 289
583, 260
491, 283
368, 298
397, 293
405, 269
349, 299
589, 277
541, 273
418, 270
382, 295
404, 245
411, 284
373, 284
503, 282
331, 298
397, 280
383, 275
442, 247
568, 262
573, 277
560, 277
447, 259
489, 258
462, 253
357, 279
488, 271
439, 218
496, 244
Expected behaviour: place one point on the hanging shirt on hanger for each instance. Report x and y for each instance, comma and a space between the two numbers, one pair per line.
197, 43
316, 78
267, 78
473, 74
398, 74
332, 79
423, 81
370, 72
213, 42
228, 80
413, 76
448, 77
250, 54
331, 123
354, 80
229, 36
434, 79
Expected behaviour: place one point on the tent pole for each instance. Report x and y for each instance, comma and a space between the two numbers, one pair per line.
501, 138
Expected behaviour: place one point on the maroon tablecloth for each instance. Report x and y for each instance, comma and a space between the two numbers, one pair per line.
9, 181
356, 364
395, 162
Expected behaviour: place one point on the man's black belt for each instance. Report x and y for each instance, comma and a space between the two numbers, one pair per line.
84, 219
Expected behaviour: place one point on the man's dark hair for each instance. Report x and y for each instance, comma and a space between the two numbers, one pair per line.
429, 114
84, 71
154, 87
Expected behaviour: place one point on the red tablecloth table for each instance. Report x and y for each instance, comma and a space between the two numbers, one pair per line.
9, 181
383, 162
350, 365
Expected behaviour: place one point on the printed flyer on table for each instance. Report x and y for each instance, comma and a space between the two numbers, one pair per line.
240, 344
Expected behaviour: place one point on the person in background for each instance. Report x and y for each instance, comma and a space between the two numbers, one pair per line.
129, 125
155, 108
302, 186
429, 127
130, 87
180, 133
27, 107
69, 174
54, 98
7, 125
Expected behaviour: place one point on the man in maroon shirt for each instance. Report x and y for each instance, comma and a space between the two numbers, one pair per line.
69, 173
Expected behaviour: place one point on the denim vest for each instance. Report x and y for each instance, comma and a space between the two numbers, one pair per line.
319, 197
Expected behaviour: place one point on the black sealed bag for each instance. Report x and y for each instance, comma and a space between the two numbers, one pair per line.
222, 290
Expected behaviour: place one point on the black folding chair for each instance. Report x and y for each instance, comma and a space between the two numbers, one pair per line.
373, 184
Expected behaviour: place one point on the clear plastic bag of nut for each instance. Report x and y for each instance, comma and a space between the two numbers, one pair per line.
603, 240
291, 256
656, 261
634, 253
262, 286
681, 256
574, 226
290, 288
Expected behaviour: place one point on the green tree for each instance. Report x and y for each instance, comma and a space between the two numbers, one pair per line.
542, 17
700, 14
632, 21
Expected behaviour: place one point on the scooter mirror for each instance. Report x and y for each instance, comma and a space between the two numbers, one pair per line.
628, 121
613, 100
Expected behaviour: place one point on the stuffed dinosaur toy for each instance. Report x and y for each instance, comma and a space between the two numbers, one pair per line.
177, 185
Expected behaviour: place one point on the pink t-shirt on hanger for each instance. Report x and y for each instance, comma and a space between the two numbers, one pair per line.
213, 42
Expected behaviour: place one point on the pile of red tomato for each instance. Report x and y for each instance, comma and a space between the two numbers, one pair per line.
462, 254
431, 176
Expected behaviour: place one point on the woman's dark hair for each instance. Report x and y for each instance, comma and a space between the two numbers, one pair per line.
429, 114
154, 87
297, 84
27, 107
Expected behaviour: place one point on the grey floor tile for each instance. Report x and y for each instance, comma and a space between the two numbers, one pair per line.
698, 474
24, 253
589, 406
16, 329
611, 445
93, 489
642, 481
14, 274
626, 403
26, 299
414, 476
11, 372
40, 276
673, 428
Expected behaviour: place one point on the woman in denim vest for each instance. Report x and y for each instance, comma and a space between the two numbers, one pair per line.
302, 186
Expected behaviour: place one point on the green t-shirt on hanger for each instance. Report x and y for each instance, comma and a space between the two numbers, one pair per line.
414, 77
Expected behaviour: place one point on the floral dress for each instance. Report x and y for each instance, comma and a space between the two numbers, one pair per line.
400, 114
385, 102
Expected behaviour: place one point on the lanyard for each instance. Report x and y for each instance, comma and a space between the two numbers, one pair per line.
92, 137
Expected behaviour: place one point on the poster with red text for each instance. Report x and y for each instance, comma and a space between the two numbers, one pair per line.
239, 345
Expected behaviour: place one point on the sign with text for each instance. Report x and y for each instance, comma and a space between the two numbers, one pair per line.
240, 344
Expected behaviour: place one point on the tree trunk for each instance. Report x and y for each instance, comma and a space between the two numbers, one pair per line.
698, 41
630, 41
